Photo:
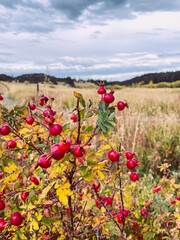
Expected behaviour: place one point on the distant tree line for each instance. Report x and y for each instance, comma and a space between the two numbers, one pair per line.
146, 79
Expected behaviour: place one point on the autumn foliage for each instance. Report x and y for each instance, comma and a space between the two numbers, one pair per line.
69, 180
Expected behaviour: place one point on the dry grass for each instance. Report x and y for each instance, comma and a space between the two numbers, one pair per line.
150, 125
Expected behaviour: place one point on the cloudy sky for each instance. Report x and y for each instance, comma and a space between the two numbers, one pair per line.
100, 39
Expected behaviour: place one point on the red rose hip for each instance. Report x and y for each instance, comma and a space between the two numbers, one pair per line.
30, 120
121, 105
113, 155
134, 177
2, 205
131, 164
16, 219
73, 117
108, 98
55, 129
64, 145
5, 130
78, 151
32, 106
44, 161
24, 195
101, 90
11, 144
57, 154
129, 155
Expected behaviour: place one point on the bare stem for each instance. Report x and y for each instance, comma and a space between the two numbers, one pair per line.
106, 208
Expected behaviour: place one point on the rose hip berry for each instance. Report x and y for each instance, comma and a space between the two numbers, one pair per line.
2, 205
16, 219
78, 151
24, 195
5, 130
57, 154
30, 120
64, 145
120, 218
48, 112
131, 164
134, 224
108, 98
134, 177
101, 90
113, 155
32, 106
73, 117
44, 161
1, 97
43, 100
11, 144
55, 129
143, 212
34, 180
121, 105
178, 198
129, 155
49, 120
2, 225
126, 212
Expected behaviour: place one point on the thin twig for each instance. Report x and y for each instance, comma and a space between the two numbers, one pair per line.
81, 216
79, 120
106, 208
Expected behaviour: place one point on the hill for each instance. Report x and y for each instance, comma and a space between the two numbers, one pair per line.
146, 78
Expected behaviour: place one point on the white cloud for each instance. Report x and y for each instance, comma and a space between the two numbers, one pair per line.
104, 38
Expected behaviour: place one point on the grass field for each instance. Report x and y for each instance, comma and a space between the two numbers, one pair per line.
150, 126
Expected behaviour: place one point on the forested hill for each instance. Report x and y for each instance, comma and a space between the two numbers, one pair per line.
145, 79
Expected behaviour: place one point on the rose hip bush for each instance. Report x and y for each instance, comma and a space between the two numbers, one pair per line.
71, 181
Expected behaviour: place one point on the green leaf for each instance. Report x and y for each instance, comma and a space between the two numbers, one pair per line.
103, 106
89, 129
81, 100
89, 114
66, 126
89, 175
105, 116
83, 170
108, 125
82, 112
41, 146
92, 159
104, 129
31, 194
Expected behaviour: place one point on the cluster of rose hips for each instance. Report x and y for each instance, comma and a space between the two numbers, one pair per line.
131, 163
109, 97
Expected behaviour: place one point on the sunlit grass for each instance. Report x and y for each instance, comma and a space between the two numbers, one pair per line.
150, 126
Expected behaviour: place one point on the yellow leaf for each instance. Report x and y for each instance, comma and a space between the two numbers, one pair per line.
61, 238
46, 190
105, 147
101, 174
100, 165
62, 197
41, 130
10, 169
1, 153
34, 225
77, 94
62, 192
39, 216
19, 144
24, 130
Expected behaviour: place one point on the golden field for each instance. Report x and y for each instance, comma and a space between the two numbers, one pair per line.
150, 126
